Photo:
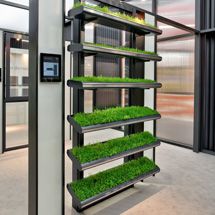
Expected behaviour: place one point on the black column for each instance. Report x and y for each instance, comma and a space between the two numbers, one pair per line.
204, 127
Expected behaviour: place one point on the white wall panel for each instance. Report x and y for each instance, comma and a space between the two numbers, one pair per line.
50, 114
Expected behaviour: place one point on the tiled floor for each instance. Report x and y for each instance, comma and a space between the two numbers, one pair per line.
185, 186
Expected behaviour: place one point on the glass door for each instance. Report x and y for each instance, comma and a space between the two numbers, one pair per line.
15, 87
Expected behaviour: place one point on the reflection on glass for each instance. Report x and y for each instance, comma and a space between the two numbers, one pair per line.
175, 98
146, 4
16, 124
18, 72
169, 31
182, 11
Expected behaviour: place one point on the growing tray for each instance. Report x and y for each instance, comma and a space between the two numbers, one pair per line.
102, 196
91, 15
120, 85
98, 127
101, 161
89, 49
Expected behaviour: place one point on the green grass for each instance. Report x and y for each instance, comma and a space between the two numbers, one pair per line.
120, 48
111, 79
112, 147
113, 115
107, 10
103, 181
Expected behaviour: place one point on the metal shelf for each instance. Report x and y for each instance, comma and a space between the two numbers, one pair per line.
98, 127
83, 15
96, 85
101, 161
89, 49
90, 15
81, 205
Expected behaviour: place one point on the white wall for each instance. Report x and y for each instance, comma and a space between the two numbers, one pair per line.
69, 5
50, 113
1, 65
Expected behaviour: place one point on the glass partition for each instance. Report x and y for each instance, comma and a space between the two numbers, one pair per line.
175, 100
16, 65
19, 72
16, 124
169, 31
182, 11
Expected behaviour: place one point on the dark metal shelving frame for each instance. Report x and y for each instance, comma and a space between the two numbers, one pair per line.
136, 92
97, 85
88, 49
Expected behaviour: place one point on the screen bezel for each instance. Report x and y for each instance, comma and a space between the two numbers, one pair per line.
44, 78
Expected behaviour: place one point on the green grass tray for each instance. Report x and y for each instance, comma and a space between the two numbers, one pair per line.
111, 117
104, 184
100, 153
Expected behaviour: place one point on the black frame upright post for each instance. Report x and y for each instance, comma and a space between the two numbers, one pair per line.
197, 88
78, 95
204, 137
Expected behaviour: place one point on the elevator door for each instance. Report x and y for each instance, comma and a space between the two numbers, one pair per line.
16, 76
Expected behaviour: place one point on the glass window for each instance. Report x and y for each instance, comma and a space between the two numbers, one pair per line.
14, 18
182, 11
175, 100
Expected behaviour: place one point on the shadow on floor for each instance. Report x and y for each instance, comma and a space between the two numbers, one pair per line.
123, 201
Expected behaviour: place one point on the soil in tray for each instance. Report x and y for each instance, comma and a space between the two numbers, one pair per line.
103, 79
104, 181
113, 147
123, 16
121, 48
113, 115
